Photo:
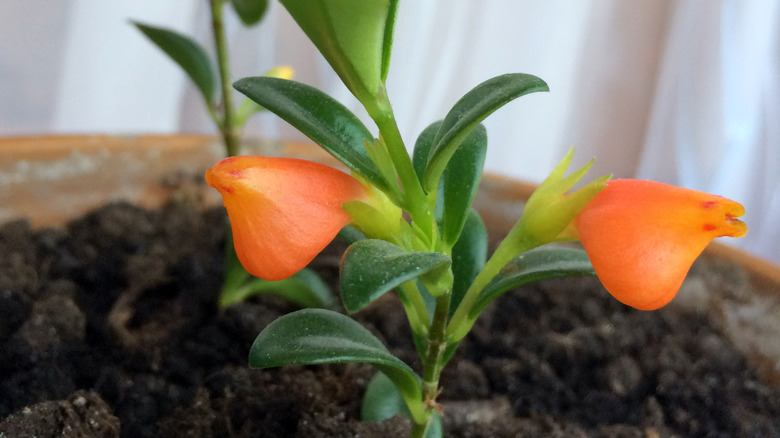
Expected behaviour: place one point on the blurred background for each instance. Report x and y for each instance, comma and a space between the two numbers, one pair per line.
685, 92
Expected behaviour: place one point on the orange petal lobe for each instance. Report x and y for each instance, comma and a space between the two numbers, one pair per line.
283, 211
642, 236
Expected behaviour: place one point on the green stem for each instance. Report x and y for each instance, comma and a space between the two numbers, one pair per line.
415, 200
227, 125
461, 320
432, 362
419, 430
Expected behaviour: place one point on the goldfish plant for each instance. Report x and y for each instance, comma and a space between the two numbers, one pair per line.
306, 288
417, 233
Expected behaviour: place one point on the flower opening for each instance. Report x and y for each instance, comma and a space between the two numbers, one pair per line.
283, 211
642, 236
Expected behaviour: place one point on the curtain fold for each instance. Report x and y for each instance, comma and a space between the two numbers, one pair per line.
714, 121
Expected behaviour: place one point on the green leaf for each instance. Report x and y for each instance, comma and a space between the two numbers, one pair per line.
250, 11
317, 336
469, 111
372, 267
461, 179
188, 54
468, 257
422, 148
305, 288
350, 235
352, 36
534, 265
382, 401
320, 117
387, 43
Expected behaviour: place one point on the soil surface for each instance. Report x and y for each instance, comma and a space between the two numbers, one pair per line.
110, 327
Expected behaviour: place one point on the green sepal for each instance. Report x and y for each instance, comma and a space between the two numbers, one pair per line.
320, 117
531, 266
383, 401
188, 54
469, 111
549, 212
250, 11
318, 336
305, 288
468, 257
461, 180
354, 36
372, 267
373, 222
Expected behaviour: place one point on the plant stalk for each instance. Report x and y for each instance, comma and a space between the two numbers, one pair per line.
432, 362
414, 196
510, 247
227, 125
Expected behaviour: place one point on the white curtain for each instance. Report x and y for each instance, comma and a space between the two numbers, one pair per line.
684, 92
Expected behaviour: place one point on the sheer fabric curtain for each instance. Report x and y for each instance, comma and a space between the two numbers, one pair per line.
715, 120
684, 92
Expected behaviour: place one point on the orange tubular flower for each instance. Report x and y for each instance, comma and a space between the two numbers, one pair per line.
642, 236
283, 211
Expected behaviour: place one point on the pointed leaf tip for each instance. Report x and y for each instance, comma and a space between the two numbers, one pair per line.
186, 52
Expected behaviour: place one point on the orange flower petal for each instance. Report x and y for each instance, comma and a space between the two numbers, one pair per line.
283, 211
643, 236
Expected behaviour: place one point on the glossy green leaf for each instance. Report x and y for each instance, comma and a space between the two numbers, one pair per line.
351, 35
535, 265
422, 148
188, 54
461, 179
468, 257
305, 288
319, 116
469, 111
382, 401
372, 267
318, 336
250, 11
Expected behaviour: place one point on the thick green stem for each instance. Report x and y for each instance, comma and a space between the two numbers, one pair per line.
432, 362
227, 124
419, 430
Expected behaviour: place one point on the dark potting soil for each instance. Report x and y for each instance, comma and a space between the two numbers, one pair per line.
110, 327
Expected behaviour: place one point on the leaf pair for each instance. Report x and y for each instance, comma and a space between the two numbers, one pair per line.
455, 143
